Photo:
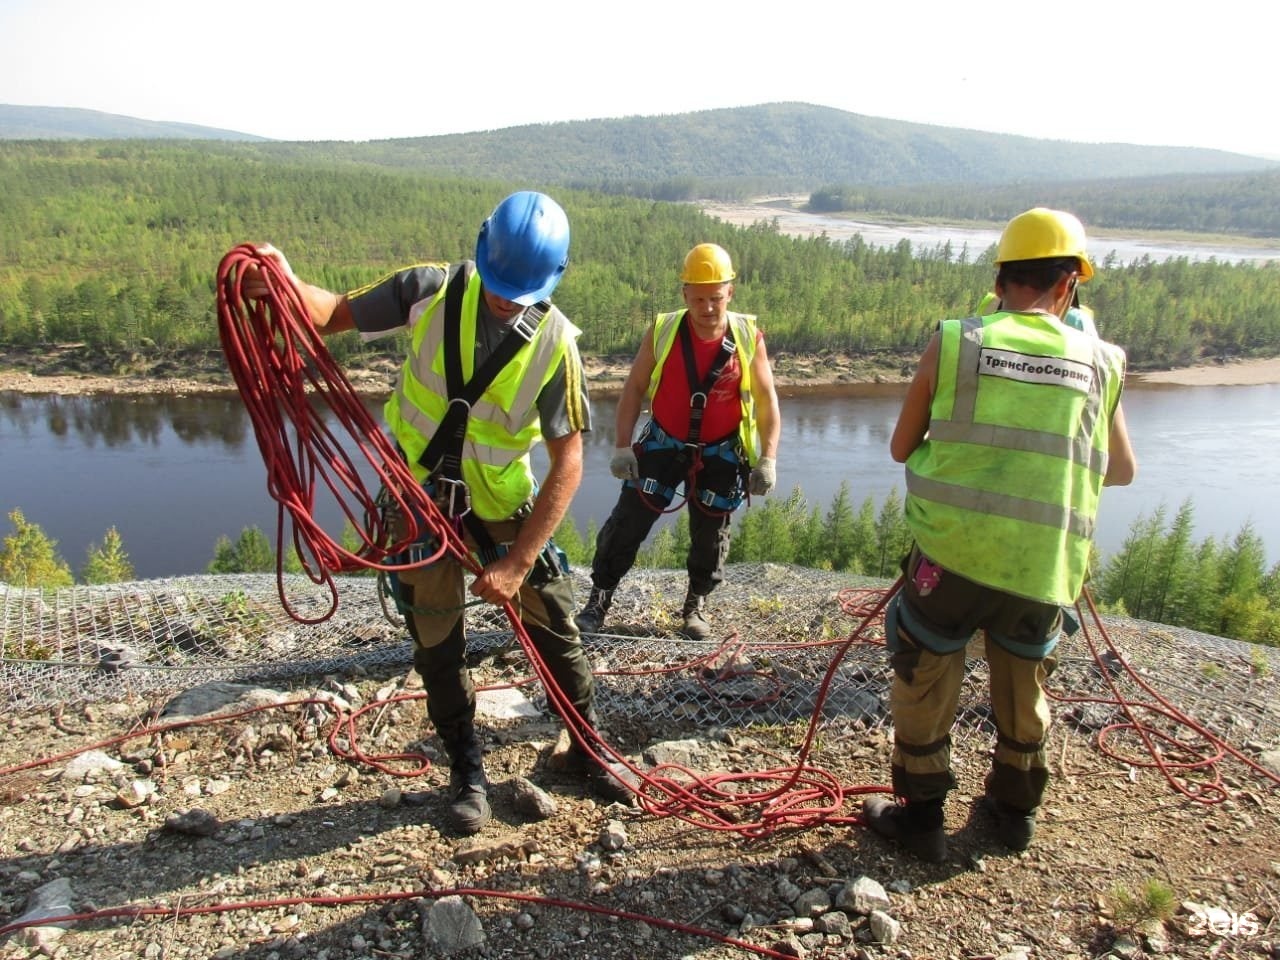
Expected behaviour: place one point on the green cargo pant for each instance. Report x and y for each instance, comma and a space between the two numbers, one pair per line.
436, 595
933, 618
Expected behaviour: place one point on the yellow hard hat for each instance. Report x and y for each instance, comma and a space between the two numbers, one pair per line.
707, 263
1041, 233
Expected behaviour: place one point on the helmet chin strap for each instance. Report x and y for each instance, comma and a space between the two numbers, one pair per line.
1073, 299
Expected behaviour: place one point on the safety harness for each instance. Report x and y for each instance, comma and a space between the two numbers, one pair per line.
442, 457
692, 451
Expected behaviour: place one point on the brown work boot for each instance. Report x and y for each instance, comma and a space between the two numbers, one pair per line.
1015, 828
916, 827
696, 626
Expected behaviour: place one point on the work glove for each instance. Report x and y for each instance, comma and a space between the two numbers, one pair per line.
624, 464
763, 476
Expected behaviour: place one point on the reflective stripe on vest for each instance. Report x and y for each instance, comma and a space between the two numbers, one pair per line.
1004, 490
503, 426
665, 329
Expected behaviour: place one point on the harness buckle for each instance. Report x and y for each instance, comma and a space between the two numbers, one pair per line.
422, 550
648, 485
698, 400
453, 497
524, 328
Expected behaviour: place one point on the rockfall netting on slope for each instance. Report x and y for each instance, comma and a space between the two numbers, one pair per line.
779, 629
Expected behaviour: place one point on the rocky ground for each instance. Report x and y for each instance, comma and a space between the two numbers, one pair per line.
257, 836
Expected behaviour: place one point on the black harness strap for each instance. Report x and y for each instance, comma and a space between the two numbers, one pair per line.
443, 454
700, 390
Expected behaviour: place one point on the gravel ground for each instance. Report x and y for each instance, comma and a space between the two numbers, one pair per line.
295, 852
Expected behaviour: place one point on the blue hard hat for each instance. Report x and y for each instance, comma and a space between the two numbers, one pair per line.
523, 247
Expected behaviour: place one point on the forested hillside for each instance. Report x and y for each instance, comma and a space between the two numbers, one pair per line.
744, 151
731, 153
115, 244
70, 123
1240, 204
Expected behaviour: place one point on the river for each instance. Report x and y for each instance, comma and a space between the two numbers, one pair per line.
1117, 248
172, 473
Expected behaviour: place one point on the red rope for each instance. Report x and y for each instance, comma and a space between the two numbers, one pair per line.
1177, 772
133, 912
286, 377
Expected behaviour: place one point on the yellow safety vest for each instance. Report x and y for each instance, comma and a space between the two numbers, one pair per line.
1004, 489
503, 426
744, 330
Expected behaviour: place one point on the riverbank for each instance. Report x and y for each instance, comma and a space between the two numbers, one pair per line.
67, 375
70, 373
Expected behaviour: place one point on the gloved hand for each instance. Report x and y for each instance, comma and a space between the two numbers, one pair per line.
763, 476
624, 465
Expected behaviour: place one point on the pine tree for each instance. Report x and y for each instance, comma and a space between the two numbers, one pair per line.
839, 530
1241, 569
30, 558
108, 563
893, 536
1173, 564
251, 553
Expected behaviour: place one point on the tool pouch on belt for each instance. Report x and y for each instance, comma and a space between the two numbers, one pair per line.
552, 564
904, 655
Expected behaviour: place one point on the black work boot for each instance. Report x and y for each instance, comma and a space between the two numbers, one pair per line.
1015, 828
608, 780
916, 827
695, 626
468, 786
591, 617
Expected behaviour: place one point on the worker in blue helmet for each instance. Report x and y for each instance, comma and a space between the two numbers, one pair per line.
490, 316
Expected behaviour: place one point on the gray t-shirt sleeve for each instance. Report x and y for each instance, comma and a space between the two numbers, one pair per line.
564, 406
388, 305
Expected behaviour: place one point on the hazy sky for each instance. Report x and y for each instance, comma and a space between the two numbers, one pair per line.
1130, 71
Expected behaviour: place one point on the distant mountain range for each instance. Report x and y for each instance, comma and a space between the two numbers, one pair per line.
71, 123
781, 146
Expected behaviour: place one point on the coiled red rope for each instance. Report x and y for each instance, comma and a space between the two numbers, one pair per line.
286, 378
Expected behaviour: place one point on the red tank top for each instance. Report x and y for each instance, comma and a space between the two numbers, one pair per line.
723, 411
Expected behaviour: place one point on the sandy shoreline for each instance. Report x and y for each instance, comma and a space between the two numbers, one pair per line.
607, 375
1228, 373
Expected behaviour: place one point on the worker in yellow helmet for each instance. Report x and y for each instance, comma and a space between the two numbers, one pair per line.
713, 427
1010, 428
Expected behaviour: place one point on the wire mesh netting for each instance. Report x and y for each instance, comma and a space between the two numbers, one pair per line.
781, 631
